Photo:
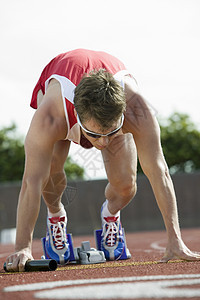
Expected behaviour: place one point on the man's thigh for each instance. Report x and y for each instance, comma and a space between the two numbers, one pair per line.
120, 159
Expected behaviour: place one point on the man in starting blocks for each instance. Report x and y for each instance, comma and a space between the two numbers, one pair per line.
90, 98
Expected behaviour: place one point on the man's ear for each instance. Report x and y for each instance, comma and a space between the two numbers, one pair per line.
75, 113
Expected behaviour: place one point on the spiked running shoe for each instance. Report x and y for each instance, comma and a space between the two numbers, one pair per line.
56, 244
113, 242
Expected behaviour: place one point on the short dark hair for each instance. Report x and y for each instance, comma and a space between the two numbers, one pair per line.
101, 97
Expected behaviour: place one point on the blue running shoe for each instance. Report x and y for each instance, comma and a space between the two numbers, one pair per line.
56, 244
113, 242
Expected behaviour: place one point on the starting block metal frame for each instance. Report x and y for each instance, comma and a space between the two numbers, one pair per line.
79, 255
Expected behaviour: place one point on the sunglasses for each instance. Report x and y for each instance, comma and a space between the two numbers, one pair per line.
98, 135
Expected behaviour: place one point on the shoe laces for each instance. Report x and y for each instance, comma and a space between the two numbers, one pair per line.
110, 230
58, 231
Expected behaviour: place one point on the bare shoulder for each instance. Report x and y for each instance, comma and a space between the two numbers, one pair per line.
49, 120
131, 85
140, 116
52, 100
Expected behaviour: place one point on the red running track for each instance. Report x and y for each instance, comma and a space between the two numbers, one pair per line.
141, 277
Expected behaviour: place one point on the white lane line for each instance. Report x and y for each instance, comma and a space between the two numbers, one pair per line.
134, 290
54, 284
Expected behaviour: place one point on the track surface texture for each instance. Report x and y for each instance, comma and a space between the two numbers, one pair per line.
141, 277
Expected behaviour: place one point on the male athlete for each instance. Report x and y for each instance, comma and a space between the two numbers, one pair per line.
89, 98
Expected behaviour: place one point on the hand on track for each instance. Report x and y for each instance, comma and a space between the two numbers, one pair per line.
176, 249
16, 261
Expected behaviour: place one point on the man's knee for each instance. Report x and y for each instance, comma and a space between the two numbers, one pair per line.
127, 188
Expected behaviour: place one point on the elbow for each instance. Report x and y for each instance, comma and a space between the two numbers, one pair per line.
33, 183
158, 169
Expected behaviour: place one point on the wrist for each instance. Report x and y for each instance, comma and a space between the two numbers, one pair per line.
23, 246
173, 235
23, 249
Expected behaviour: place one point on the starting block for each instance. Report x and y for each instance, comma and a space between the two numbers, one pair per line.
86, 255
79, 255
98, 237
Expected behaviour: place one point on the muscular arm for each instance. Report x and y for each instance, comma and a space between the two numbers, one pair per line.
38, 149
47, 127
144, 126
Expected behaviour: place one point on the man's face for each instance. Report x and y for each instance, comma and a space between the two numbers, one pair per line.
100, 142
